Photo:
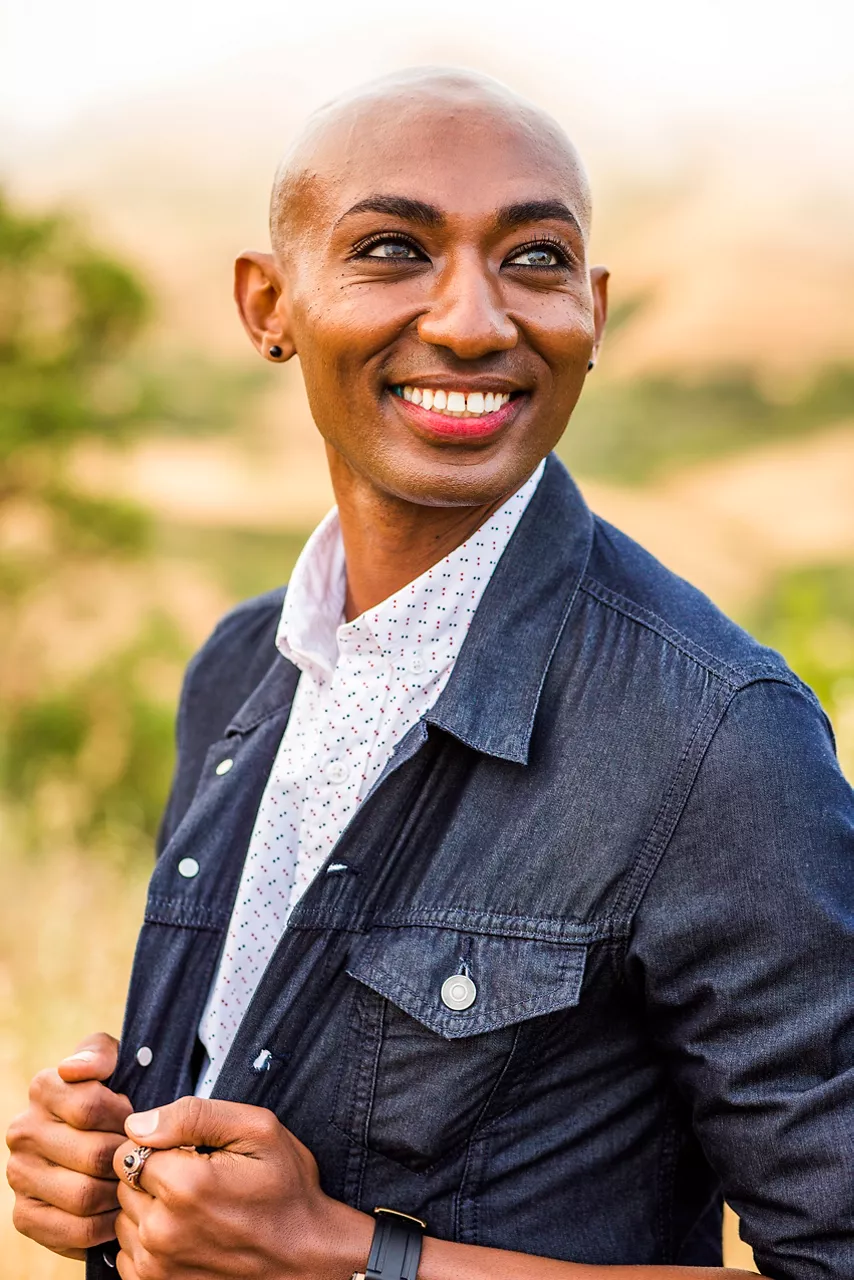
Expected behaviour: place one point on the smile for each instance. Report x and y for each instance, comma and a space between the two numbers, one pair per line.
453, 404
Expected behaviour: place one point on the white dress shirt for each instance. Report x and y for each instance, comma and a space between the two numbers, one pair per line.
363, 685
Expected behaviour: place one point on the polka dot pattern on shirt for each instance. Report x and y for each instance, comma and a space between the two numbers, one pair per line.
363, 685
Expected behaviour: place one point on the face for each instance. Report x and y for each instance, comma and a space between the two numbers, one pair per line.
433, 279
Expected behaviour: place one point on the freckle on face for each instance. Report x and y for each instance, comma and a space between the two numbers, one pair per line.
356, 334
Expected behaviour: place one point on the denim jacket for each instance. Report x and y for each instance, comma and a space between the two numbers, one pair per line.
624, 821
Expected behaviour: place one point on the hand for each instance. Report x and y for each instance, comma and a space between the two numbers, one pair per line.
252, 1208
62, 1147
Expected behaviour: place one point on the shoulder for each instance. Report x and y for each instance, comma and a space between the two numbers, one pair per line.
218, 680
229, 665
242, 630
626, 579
235, 656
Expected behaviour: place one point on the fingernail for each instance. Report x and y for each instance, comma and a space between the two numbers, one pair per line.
86, 1055
144, 1123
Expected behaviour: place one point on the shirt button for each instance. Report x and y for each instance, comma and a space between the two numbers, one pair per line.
144, 1056
459, 992
188, 867
223, 767
416, 664
338, 771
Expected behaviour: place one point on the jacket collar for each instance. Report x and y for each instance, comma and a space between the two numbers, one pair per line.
492, 695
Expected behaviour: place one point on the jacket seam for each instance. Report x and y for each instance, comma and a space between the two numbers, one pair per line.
667, 818
735, 677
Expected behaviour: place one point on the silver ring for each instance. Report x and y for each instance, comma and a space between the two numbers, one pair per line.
134, 1163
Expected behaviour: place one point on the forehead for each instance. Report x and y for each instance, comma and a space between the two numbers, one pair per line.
468, 158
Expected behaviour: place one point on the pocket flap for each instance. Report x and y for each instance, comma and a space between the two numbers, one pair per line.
515, 978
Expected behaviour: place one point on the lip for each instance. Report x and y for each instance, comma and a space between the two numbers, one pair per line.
441, 426
469, 382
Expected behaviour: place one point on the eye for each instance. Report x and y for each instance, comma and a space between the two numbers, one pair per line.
389, 249
541, 254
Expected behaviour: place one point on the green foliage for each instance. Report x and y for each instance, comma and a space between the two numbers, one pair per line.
88, 756
93, 759
71, 368
67, 309
808, 616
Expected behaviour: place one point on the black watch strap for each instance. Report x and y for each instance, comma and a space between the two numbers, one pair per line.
396, 1247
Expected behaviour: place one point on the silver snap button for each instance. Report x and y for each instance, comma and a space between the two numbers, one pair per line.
459, 992
188, 867
223, 767
144, 1056
338, 771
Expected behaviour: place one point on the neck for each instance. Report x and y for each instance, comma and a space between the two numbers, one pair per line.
388, 542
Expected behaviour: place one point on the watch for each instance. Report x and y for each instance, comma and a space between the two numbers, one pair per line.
395, 1248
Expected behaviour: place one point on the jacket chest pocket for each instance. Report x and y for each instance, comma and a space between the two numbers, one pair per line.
441, 1025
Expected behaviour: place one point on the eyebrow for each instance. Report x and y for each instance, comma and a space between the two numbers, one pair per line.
516, 215
428, 215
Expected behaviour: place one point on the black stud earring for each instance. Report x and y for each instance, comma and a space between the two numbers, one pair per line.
590, 364
276, 353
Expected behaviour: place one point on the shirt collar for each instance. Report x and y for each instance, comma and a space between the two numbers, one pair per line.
421, 628
491, 699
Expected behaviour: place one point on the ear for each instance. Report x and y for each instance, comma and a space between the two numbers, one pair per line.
261, 297
599, 284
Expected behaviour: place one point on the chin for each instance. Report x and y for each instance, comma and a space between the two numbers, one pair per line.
467, 480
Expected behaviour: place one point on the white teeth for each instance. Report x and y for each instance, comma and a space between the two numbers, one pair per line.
456, 403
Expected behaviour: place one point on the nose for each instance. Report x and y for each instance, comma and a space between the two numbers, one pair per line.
467, 315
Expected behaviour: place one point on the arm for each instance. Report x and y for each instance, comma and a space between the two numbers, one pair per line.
254, 1208
743, 952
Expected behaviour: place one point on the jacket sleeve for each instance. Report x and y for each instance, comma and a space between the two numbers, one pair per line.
744, 948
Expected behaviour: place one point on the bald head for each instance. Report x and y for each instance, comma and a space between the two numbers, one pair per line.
426, 110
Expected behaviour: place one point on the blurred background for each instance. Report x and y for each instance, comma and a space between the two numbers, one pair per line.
153, 470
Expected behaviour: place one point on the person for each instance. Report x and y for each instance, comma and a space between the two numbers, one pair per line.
504, 883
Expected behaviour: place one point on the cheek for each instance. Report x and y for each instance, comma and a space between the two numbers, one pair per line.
344, 330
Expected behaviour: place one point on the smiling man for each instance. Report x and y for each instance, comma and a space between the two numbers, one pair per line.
504, 883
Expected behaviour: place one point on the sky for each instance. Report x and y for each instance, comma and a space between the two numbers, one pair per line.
58, 59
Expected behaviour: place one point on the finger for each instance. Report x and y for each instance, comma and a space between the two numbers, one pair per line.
93, 1059
86, 1105
127, 1234
74, 1193
125, 1268
60, 1231
166, 1175
204, 1122
132, 1201
57, 1143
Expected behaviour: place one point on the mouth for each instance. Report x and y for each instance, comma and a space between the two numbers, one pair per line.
457, 413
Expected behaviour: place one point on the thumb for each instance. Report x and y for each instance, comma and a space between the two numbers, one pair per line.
195, 1122
93, 1059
